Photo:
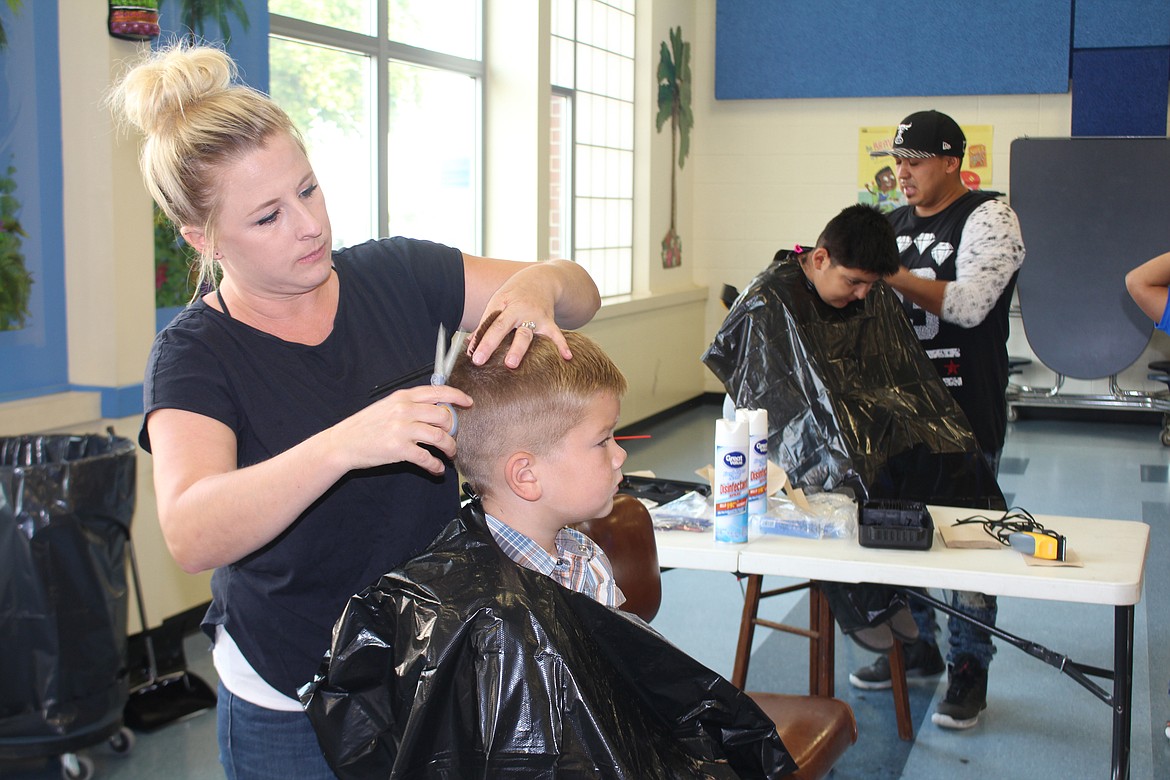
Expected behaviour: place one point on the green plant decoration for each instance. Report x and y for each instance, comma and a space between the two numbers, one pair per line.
175, 262
175, 265
674, 103
194, 15
15, 280
14, 6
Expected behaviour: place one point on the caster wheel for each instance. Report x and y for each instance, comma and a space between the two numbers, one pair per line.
75, 767
1012, 414
122, 742
1165, 437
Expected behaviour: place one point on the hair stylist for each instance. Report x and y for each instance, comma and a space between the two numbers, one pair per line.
276, 462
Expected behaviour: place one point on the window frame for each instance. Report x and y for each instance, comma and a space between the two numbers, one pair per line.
382, 51
625, 246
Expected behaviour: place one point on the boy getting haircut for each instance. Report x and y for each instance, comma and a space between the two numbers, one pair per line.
497, 650
529, 407
537, 450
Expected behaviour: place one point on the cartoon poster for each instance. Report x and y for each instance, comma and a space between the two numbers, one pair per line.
877, 183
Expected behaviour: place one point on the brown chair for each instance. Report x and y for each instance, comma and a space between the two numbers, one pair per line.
817, 730
821, 635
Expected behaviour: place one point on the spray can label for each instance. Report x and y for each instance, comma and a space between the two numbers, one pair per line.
731, 495
758, 477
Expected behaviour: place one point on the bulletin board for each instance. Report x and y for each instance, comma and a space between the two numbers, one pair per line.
875, 173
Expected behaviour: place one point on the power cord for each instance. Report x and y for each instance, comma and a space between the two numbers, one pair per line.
1018, 529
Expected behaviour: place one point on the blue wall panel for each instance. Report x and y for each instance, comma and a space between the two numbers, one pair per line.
34, 360
1120, 91
1106, 24
859, 48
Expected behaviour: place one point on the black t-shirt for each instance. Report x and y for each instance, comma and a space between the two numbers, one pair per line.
280, 603
971, 361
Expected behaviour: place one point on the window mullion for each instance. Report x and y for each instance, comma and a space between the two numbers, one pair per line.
299, 29
382, 123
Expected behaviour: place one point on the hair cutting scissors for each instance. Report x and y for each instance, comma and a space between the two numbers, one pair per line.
445, 361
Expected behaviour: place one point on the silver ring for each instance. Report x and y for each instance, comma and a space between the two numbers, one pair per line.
531, 325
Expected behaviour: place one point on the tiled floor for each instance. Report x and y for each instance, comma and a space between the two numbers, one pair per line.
1039, 724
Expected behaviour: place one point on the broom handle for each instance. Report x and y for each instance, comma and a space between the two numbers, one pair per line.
150, 660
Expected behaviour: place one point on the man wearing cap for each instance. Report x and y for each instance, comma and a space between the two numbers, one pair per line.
960, 251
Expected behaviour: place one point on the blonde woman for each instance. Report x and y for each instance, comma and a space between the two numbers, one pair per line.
298, 449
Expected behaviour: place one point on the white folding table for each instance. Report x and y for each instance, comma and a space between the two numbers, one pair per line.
1113, 553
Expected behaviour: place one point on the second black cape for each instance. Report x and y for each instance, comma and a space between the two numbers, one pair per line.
852, 399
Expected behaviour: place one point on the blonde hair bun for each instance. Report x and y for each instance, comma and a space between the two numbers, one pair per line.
155, 94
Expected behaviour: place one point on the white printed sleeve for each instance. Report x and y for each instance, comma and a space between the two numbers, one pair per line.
990, 251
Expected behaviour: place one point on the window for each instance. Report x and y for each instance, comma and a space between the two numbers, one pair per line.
591, 210
387, 96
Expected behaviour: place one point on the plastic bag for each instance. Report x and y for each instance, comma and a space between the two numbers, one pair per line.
461, 663
66, 504
832, 516
690, 512
852, 399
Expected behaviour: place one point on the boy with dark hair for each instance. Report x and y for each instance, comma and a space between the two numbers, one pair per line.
854, 251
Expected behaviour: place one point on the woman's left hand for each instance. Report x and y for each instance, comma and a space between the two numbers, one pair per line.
531, 298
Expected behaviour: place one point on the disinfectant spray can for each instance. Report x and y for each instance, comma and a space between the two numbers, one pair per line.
731, 481
757, 421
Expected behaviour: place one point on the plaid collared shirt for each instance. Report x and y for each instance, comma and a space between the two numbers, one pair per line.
580, 564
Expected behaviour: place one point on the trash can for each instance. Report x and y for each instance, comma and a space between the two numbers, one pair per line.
66, 503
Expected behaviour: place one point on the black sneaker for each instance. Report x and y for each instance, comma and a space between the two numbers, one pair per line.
966, 695
922, 660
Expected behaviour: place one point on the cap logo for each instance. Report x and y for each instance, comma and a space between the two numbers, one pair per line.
902, 129
946, 146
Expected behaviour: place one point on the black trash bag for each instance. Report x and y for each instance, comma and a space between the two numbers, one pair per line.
462, 663
852, 399
66, 503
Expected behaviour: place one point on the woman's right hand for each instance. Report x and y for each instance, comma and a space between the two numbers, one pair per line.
213, 513
400, 427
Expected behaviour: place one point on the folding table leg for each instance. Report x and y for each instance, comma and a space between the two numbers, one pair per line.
1122, 689
747, 628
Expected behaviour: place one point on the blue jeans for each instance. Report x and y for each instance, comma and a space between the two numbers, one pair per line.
256, 743
965, 638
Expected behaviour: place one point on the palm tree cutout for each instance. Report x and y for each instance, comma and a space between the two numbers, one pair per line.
674, 103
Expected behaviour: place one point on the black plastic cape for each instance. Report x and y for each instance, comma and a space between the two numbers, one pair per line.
66, 503
852, 399
463, 664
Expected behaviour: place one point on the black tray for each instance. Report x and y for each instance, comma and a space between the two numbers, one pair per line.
660, 491
895, 524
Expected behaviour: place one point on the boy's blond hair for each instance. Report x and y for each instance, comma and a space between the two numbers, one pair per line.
530, 407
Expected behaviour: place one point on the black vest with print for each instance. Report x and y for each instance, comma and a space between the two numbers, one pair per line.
972, 362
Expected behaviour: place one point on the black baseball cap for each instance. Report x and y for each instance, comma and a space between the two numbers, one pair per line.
927, 134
